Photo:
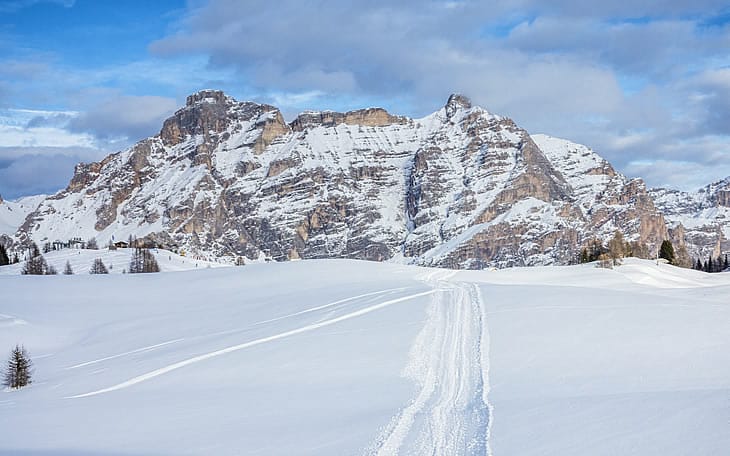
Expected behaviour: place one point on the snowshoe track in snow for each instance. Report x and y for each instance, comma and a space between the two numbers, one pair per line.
449, 362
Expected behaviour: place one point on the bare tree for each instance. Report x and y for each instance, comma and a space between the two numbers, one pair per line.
19, 369
604, 261
91, 244
616, 248
143, 261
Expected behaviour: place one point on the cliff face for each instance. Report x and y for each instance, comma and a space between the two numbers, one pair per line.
460, 188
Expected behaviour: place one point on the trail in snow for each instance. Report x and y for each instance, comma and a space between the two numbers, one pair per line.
139, 350
224, 351
449, 362
332, 304
237, 330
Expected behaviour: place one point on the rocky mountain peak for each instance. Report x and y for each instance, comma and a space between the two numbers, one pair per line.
211, 112
460, 188
455, 102
206, 96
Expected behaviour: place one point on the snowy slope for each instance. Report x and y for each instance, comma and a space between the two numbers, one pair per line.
13, 213
332, 357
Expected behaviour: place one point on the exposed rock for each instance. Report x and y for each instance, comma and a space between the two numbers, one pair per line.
372, 117
704, 217
459, 188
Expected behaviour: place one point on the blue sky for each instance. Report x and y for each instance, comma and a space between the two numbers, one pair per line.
645, 83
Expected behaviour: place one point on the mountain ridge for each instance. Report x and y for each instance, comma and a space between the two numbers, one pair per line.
459, 188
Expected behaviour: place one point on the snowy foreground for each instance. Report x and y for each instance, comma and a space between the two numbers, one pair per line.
347, 358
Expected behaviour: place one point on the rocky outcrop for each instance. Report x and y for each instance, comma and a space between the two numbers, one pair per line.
459, 188
372, 117
703, 217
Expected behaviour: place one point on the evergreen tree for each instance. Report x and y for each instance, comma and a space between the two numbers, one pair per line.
33, 250
37, 265
98, 267
710, 265
4, 259
584, 255
91, 244
16, 260
19, 369
666, 251
698, 265
725, 265
68, 270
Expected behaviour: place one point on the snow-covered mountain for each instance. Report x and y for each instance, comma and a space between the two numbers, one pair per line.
460, 188
702, 217
13, 213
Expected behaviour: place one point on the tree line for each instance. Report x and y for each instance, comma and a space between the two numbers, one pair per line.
142, 261
718, 264
611, 254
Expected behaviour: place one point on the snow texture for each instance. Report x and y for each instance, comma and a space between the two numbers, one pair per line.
332, 357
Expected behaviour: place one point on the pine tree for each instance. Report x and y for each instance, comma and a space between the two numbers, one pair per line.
33, 250
98, 267
68, 270
91, 244
37, 265
666, 251
698, 265
710, 265
19, 369
4, 259
725, 265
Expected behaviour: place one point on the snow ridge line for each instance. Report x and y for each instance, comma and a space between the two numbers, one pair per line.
196, 359
449, 362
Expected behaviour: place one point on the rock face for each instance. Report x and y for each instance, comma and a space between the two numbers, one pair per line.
703, 217
460, 188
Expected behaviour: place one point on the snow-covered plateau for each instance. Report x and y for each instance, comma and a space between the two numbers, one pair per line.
345, 357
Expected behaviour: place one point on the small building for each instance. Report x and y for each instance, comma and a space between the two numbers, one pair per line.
76, 243
121, 244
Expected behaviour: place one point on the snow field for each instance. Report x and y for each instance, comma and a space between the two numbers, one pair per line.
333, 357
